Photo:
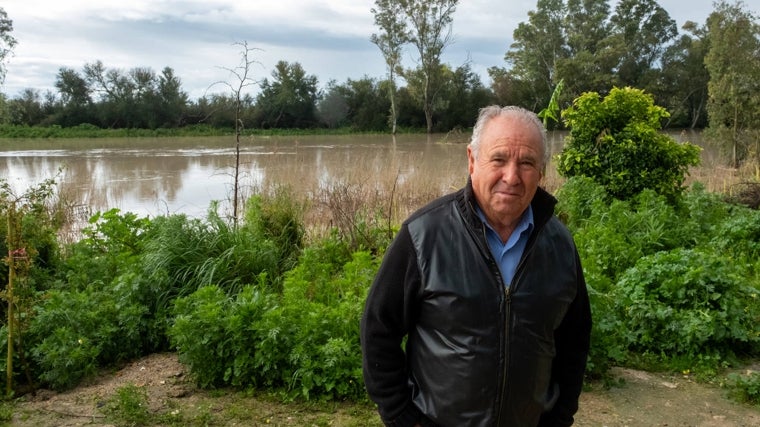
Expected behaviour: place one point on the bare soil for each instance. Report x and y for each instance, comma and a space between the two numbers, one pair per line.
643, 399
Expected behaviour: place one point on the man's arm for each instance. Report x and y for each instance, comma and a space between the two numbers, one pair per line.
387, 317
572, 340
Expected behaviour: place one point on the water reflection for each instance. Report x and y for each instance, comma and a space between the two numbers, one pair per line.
183, 175
158, 176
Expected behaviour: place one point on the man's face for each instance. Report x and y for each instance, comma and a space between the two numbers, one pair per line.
506, 173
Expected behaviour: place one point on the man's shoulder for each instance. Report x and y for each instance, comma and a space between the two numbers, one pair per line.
435, 207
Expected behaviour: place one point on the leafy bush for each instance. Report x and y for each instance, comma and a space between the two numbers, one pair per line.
579, 198
305, 341
613, 236
616, 141
185, 254
649, 264
688, 302
312, 341
278, 218
745, 388
739, 235
110, 247
74, 332
216, 336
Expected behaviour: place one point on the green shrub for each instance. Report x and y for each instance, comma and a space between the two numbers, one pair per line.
75, 332
617, 142
110, 247
216, 335
128, 407
278, 218
579, 199
185, 254
744, 388
304, 341
688, 302
612, 237
738, 236
312, 342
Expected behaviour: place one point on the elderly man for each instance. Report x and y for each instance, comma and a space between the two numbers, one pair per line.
486, 287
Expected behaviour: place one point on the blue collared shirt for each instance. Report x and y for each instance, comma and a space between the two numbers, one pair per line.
507, 255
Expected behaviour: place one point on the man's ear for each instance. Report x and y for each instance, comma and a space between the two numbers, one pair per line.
470, 160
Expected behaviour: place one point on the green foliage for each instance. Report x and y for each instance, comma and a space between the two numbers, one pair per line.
74, 332
278, 218
616, 141
6, 411
129, 407
670, 284
613, 236
109, 247
185, 254
312, 343
553, 110
304, 341
733, 103
579, 199
688, 302
744, 388
216, 335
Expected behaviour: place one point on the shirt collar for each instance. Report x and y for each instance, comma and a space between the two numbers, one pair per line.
526, 221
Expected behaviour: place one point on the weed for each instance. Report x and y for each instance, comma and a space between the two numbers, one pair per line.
128, 407
745, 388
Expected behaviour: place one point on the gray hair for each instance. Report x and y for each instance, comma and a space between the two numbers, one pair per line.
526, 116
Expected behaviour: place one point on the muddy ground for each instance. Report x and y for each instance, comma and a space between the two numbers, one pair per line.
642, 399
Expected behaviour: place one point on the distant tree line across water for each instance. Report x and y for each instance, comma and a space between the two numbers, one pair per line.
706, 76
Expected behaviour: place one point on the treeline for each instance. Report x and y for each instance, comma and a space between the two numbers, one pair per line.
290, 98
709, 70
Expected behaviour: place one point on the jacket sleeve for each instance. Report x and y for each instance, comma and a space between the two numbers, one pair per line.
387, 316
572, 340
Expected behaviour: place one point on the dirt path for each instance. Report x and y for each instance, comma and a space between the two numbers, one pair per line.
644, 399
647, 399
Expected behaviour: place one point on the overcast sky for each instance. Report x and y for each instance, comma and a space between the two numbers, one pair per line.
329, 38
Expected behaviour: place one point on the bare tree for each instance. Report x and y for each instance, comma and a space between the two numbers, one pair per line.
241, 79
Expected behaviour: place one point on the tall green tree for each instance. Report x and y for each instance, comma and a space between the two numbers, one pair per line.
429, 23
683, 86
733, 62
170, 101
116, 92
366, 103
642, 31
590, 58
538, 45
29, 108
464, 96
289, 100
507, 89
7, 42
390, 40
76, 98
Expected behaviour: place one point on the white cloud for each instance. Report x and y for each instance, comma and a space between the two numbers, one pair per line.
330, 38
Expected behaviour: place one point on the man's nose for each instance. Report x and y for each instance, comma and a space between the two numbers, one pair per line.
511, 173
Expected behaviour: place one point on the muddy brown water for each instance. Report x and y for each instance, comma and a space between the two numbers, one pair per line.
158, 176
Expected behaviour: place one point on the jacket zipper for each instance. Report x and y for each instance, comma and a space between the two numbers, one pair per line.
505, 370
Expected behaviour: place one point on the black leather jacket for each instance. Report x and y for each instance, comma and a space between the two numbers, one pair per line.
477, 353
